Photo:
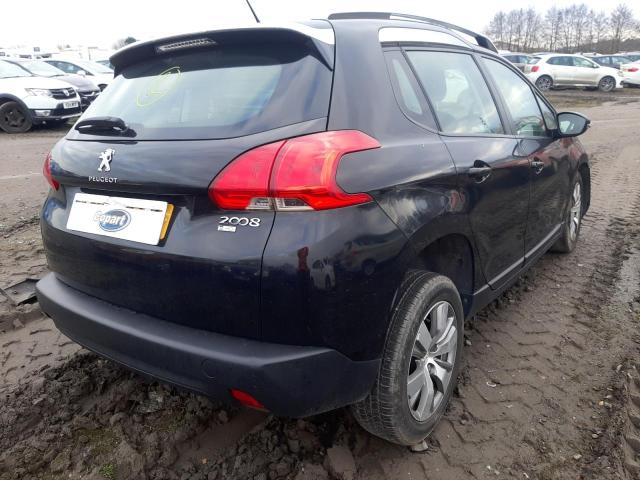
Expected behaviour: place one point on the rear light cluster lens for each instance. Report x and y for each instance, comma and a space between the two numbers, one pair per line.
294, 174
535, 68
632, 69
46, 171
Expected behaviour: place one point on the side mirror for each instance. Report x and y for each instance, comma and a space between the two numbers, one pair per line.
572, 124
82, 73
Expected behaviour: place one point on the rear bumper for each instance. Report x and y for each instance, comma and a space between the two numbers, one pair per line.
288, 380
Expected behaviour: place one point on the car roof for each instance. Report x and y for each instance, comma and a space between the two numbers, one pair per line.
318, 31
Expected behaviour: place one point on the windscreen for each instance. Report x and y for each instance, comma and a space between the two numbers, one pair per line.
10, 70
42, 69
94, 67
218, 93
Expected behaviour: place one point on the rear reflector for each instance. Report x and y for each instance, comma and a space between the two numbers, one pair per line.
535, 68
295, 174
245, 399
46, 171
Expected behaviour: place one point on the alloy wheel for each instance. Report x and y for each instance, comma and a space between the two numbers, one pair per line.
434, 351
14, 118
607, 84
544, 83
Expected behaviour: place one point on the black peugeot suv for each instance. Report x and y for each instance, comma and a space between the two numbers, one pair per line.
301, 217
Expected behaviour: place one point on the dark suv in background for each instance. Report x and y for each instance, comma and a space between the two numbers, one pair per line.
300, 218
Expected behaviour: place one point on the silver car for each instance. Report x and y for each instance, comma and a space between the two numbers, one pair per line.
556, 70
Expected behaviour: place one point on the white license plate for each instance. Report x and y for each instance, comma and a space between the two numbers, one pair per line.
126, 218
70, 104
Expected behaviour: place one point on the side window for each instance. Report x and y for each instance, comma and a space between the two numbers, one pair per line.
407, 91
550, 118
68, 67
519, 99
554, 61
459, 95
582, 62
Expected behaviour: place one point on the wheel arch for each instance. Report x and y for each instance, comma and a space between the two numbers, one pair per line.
7, 97
452, 255
585, 173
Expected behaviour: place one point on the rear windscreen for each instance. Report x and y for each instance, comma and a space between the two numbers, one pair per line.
218, 93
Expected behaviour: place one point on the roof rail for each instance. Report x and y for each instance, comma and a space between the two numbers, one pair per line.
480, 39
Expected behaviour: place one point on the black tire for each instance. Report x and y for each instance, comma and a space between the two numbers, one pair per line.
567, 242
544, 83
385, 412
14, 118
607, 84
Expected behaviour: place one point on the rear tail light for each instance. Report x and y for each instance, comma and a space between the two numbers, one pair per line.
46, 171
535, 68
632, 69
245, 399
294, 174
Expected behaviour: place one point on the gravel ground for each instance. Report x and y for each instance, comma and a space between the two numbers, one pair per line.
549, 389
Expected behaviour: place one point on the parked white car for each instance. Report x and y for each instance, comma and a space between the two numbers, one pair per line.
559, 70
27, 100
631, 73
99, 74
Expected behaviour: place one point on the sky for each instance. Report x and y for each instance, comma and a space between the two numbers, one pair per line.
48, 23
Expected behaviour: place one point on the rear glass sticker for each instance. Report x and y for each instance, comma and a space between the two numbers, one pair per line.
158, 87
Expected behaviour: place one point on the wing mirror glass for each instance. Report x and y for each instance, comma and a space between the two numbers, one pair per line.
572, 124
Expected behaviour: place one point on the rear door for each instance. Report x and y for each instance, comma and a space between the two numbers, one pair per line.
561, 68
492, 175
189, 113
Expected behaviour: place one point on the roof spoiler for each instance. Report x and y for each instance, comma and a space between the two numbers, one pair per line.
481, 40
321, 40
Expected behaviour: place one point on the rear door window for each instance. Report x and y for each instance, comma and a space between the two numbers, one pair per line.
561, 61
456, 89
519, 100
218, 93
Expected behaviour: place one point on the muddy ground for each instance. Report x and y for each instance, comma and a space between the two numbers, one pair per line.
549, 389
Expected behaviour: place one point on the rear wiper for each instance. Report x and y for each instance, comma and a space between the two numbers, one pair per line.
105, 125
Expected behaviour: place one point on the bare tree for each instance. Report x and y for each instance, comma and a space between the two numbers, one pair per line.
122, 42
571, 29
622, 25
553, 19
600, 24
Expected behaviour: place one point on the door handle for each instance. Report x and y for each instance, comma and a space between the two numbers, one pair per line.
537, 166
480, 174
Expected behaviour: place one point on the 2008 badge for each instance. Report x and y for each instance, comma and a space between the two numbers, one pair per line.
229, 224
